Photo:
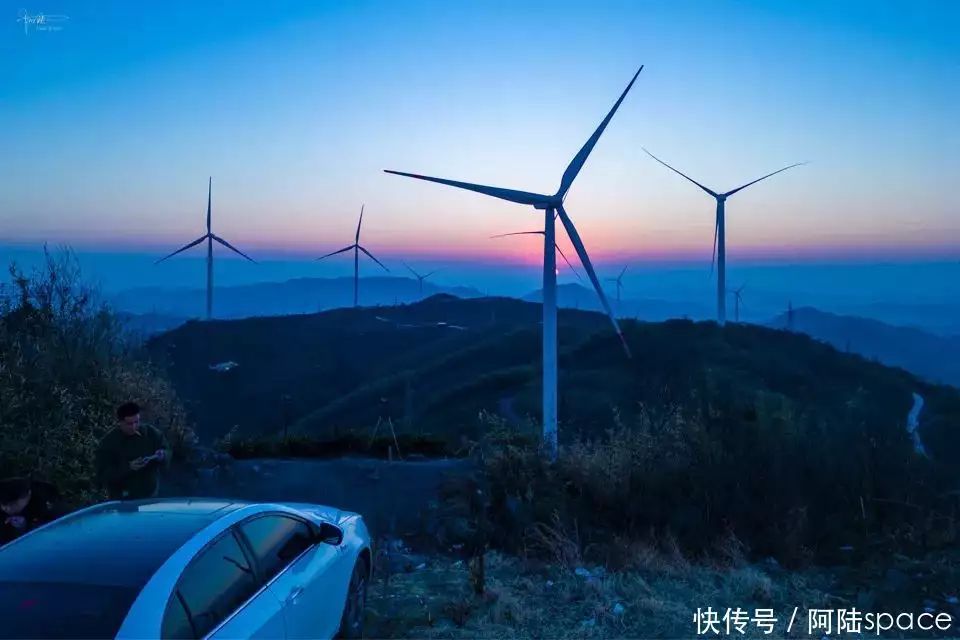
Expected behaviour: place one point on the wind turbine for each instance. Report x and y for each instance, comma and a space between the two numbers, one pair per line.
619, 281
719, 232
540, 233
210, 237
552, 206
420, 277
356, 259
737, 301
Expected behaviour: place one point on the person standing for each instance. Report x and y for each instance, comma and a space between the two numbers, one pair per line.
130, 457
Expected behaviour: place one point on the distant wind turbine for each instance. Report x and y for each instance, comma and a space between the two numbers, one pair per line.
719, 232
619, 281
357, 248
540, 233
210, 237
552, 205
420, 277
737, 301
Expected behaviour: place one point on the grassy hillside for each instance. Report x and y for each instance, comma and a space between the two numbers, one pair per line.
293, 366
338, 371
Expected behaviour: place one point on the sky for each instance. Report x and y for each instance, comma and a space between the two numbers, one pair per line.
113, 123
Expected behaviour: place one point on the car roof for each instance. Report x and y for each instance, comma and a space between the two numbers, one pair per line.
115, 543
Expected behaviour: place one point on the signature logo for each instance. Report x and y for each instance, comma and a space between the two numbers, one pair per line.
41, 21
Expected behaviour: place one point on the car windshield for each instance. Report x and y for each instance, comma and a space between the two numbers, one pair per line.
62, 610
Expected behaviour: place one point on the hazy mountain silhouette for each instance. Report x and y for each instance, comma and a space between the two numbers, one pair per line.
302, 295
576, 296
933, 357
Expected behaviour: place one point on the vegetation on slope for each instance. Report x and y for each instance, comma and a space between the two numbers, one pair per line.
64, 367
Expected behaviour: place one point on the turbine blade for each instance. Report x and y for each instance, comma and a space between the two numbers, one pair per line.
333, 253
710, 191
182, 249
410, 269
564, 256
578, 160
357, 237
209, 192
622, 272
231, 247
518, 233
520, 197
585, 261
730, 193
370, 255
431, 273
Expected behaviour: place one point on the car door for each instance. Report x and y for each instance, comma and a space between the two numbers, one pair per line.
294, 565
220, 595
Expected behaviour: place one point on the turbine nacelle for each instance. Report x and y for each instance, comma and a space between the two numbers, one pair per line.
549, 202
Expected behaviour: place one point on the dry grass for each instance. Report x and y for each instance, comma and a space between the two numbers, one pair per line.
655, 599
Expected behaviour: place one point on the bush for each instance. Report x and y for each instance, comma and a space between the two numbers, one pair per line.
64, 366
697, 474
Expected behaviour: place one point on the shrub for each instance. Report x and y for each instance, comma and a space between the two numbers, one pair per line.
64, 366
720, 485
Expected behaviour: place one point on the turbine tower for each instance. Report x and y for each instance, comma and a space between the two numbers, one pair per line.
552, 207
210, 237
737, 301
719, 232
540, 233
420, 277
619, 281
357, 248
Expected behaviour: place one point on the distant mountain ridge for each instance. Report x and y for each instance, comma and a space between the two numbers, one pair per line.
933, 357
289, 297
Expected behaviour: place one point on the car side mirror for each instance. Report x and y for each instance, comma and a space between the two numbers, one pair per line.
329, 534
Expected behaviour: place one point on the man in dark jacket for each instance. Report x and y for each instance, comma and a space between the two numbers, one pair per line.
131, 456
25, 505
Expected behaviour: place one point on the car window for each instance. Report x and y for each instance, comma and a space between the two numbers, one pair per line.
276, 541
215, 584
176, 622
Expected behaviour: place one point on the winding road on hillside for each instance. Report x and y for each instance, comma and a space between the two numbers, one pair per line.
913, 424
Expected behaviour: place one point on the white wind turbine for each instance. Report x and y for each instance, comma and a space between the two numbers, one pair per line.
619, 281
210, 237
356, 259
552, 206
719, 232
737, 301
420, 277
540, 233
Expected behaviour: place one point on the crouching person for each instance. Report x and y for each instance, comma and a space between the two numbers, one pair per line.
130, 457
25, 505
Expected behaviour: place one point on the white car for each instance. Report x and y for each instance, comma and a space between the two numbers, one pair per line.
185, 568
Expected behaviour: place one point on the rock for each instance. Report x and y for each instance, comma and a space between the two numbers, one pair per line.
589, 623
583, 573
618, 609
549, 583
951, 599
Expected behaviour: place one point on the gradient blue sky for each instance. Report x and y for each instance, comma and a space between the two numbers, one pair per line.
112, 125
